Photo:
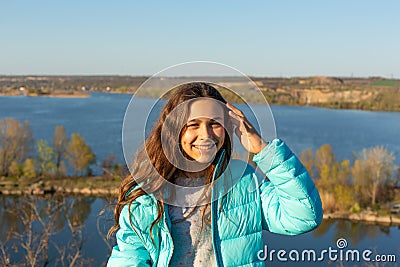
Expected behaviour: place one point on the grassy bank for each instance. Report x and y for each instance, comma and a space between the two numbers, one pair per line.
90, 186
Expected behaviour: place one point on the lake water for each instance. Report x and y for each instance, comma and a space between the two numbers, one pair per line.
99, 119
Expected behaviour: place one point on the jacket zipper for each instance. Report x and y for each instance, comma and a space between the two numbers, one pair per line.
214, 216
214, 226
168, 232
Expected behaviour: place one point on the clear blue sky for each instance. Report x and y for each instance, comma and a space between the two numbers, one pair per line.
261, 38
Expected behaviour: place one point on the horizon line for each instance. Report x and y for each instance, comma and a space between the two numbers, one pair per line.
187, 76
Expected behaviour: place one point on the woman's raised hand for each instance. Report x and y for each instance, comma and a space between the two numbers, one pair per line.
246, 133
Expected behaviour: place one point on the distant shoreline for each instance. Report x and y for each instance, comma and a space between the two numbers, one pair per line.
372, 94
50, 95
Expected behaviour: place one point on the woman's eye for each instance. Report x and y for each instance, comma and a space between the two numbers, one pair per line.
215, 124
192, 125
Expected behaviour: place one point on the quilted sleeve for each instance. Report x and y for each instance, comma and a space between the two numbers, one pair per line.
129, 250
291, 203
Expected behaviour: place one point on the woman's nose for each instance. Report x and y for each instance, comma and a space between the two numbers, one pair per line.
205, 131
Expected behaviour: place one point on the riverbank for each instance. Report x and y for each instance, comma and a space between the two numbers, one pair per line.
366, 217
52, 95
98, 186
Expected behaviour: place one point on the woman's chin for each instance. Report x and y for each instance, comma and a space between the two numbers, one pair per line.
206, 155
204, 159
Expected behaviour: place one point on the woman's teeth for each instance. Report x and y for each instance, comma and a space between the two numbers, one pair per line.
204, 147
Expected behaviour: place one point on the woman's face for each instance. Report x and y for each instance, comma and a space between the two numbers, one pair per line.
204, 132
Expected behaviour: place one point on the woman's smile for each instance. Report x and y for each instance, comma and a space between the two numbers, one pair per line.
205, 148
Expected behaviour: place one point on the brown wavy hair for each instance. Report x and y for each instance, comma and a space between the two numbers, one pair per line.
151, 161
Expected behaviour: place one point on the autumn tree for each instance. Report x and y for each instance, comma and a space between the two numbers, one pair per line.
373, 172
29, 170
16, 142
325, 161
324, 156
15, 169
333, 178
45, 159
342, 187
79, 154
307, 158
60, 141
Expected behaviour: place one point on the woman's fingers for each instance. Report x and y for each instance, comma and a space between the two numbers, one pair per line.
237, 114
242, 125
238, 133
235, 118
247, 134
236, 110
238, 118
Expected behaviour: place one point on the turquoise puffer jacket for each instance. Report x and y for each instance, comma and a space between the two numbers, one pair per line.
288, 204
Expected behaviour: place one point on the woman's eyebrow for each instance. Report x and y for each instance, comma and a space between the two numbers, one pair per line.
199, 120
217, 119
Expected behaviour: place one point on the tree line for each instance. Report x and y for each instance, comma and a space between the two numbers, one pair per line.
369, 181
19, 158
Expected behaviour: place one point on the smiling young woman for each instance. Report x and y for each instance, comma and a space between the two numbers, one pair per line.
192, 148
